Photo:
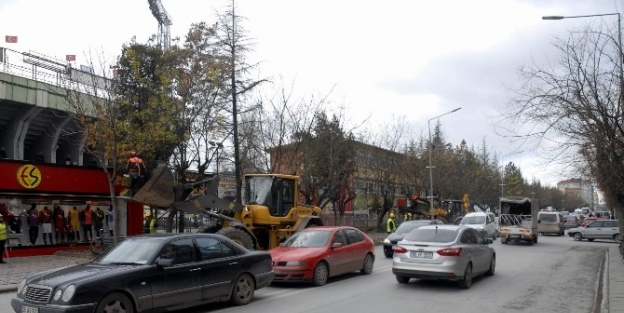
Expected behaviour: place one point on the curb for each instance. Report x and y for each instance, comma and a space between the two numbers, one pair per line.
8, 288
601, 298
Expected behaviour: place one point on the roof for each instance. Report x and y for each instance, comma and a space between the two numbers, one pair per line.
445, 226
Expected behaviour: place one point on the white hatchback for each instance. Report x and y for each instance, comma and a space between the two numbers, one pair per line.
484, 222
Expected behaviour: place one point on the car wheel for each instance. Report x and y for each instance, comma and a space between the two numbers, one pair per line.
578, 236
535, 239
321, 273
504, 242
492, 269
590, 239
402, 279
238, 236
243, 291
466, 282
115, 302
368, 265
388, 255
617, 237
531, 241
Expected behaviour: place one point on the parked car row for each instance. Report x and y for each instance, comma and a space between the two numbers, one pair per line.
186, 270
164, 272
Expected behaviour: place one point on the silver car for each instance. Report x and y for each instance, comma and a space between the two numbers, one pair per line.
599, 229
448, 252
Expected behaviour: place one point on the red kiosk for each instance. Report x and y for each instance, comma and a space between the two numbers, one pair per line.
27, 185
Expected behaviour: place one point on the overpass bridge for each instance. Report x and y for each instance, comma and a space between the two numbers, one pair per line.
36, 124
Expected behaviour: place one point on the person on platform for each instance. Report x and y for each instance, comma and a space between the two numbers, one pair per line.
33, 223
74, 220
4, 235
45, 218
59, 224
136, 170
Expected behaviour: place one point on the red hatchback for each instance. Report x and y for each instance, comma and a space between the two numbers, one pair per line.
317, 253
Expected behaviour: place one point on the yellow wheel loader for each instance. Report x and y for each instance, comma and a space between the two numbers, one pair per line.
448, 211
269, 214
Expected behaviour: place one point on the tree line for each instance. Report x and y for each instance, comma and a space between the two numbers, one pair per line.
181, 104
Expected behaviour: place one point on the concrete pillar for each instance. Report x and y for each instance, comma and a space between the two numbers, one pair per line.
18, 129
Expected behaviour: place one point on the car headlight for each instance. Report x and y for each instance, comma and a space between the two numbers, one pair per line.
68, 293
387, 241
20, 286
57, 295
295, 263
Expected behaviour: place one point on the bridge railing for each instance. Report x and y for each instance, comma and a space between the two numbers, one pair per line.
50, 70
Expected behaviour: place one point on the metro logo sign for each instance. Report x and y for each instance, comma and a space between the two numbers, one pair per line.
29, 176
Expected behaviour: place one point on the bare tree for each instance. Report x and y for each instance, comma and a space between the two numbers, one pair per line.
577, 102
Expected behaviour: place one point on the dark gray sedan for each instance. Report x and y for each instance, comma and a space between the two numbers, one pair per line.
159, 272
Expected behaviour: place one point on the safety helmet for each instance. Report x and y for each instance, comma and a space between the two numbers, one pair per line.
391, 214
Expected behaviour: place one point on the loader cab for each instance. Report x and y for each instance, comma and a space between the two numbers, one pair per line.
276, 193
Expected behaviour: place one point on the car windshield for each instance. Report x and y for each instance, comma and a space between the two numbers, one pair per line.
133, 251
258, 190
471, 220
308, 239
407, 227
432, 235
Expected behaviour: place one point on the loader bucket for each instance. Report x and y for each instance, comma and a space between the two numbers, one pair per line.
158, 191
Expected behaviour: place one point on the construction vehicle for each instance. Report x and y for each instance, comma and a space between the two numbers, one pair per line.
269, 214
446, 210
517, 219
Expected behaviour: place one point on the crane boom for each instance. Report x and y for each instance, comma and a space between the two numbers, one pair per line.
164, 23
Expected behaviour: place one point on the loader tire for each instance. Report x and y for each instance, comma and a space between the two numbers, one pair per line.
443, 220
237, 235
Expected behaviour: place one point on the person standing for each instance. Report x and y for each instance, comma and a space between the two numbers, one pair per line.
45, 217
3, 238
33, 223
98, 221
16, 224
59, 224
391, 223
87, 222
74, 220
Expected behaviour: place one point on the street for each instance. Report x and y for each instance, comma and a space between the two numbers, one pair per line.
556, 275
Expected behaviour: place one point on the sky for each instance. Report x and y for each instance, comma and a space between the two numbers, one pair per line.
381, 60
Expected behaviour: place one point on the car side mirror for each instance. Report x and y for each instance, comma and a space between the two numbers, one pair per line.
489, 241
164, 262
336, 245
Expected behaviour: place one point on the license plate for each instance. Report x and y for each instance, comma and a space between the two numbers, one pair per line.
27, 309
514, 236
421, 255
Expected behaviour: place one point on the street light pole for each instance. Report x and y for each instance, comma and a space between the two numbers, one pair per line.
619, 43
430, 167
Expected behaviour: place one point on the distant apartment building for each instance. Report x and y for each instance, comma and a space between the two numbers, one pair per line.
579, 187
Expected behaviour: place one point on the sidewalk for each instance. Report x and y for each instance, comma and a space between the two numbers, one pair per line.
615, 288
17, 268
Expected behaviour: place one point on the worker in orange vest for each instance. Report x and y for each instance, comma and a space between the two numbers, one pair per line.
136, 171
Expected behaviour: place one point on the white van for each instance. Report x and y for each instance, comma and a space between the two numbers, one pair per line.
550, 222
483, 222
